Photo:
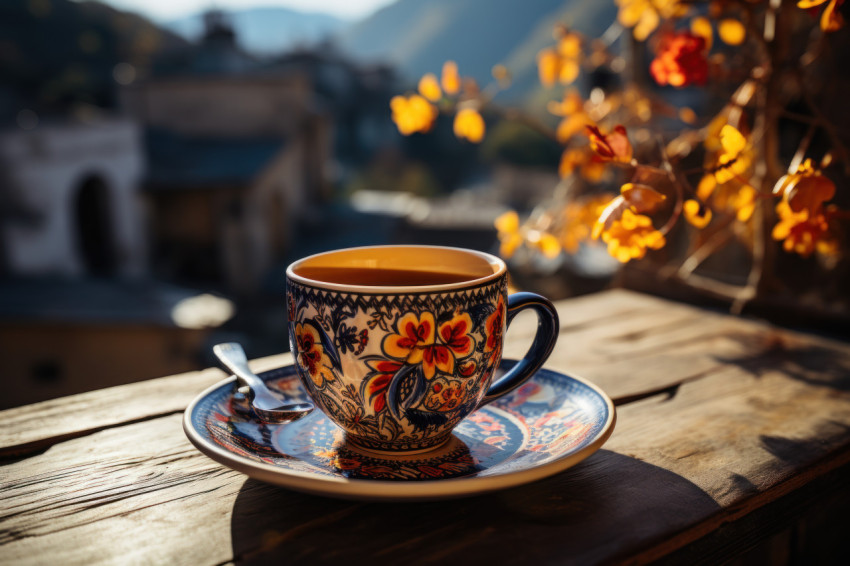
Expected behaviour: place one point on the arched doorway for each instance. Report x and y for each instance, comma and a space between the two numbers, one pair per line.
95, 238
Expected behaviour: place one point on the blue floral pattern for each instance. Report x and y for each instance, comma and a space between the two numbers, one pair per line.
550, 417
397, 372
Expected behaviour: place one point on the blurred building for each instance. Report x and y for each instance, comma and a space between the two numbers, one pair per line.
235, 152
71, 201
77, 311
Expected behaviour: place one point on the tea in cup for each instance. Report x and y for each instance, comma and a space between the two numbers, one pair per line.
397, 344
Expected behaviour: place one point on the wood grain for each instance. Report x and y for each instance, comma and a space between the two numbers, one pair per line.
719, 419
35, 427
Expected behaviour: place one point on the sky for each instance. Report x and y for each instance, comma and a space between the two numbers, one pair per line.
161, 10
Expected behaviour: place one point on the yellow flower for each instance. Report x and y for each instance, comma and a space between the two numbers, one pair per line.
629, 237
733, 196
430, 88
633, 198
450, 78
512, 236
697, 213
727, 183
509, 234
830, 19
469, 124
733, 160
413, 114
548, 66
805, 188
544, 242
645, 15
731, 31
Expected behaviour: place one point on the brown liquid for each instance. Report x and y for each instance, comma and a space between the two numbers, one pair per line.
375, 277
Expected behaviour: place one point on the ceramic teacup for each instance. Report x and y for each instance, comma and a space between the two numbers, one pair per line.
397, 344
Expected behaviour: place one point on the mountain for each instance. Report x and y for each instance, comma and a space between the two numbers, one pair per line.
265, 31
59, 55
419, 35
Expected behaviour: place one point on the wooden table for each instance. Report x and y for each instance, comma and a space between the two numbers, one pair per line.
731, 434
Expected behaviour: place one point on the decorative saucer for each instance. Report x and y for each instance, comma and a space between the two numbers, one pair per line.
551, 423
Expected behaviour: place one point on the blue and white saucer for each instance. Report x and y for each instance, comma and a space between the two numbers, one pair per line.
549, 424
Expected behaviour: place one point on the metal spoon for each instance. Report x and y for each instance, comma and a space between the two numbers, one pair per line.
266, 404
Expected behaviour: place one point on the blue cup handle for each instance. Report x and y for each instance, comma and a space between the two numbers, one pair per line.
544, 342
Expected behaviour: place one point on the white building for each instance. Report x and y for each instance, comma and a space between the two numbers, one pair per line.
70, 201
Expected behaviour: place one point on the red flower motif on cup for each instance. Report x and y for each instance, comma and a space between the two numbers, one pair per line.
376, 388
494, 328
445, 396
311, 356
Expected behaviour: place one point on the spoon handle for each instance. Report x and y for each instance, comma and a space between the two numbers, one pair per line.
233, 357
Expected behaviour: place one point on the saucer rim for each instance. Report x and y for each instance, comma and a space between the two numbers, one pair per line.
383, 490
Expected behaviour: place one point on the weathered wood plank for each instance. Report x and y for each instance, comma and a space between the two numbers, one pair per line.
676, 468
34, 427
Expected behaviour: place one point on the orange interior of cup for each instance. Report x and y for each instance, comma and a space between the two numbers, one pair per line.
398, 266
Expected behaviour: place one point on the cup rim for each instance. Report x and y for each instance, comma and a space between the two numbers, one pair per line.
499, 269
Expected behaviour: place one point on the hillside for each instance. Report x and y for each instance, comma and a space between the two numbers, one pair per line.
58, 55
419, 36
264, 31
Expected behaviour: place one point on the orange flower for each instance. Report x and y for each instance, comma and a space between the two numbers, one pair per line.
311, 355
645, 15
590, 166
430, 88
803, 232
413, 114
831, 19
469, 124
575, 117
614, 146
561, 63
579, 218
805, 188
450, 78
680, 60
629, 237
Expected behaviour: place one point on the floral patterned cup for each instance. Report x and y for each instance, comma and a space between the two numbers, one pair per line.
398, 366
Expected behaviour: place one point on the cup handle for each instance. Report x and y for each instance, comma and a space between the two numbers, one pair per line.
544, 343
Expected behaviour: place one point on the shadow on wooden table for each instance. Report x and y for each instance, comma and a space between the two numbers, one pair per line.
601, 509
810, 363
